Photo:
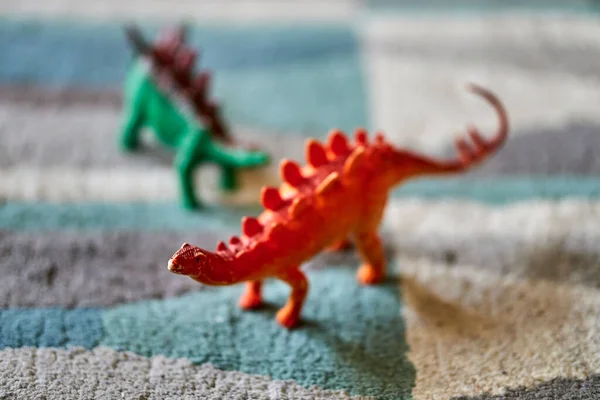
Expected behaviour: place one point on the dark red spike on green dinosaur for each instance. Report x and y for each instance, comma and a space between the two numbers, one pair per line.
342, 199
159, 90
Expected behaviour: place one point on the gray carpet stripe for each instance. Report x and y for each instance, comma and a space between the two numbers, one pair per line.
559, 388
102, 269
85, 136
82, 270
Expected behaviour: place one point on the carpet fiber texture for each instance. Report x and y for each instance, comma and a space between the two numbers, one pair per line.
493, 289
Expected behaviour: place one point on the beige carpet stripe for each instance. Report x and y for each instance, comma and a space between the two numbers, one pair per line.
472, 332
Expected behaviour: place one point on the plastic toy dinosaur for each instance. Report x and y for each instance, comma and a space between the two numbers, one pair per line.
161, 93
341, 193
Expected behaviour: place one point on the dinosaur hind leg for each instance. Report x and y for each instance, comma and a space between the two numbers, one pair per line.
252, 296
371, 250
340, 245
230, 160
289, 315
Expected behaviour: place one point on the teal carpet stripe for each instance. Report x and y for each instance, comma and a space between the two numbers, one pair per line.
287, 78
501, 190
40, 216
37, 216
352, 336
50, 327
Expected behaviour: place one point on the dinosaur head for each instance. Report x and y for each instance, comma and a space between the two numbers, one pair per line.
188, 260
199, 264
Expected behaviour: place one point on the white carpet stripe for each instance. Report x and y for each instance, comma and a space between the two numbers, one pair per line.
76, 372
125, 184
518, 29
196, 11
421, 105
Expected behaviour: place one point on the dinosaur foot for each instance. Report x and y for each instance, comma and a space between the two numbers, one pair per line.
250, 300
190, 203
368, 275
288, 316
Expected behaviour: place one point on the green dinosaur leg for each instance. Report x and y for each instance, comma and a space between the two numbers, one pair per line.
130, 129
229, 179
230, 159
188, 156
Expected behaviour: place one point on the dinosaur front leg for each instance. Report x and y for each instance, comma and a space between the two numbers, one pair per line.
370, 248
289, 315
185, 162
130, 129
252, 296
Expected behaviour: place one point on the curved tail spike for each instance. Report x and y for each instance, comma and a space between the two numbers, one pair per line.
251, 226
503, 125
338, 142
473, 151
270, 198
354, 160
315, 153
221, 246
360, 136
291, 173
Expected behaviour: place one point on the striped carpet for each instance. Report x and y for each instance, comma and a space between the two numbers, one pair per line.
494, 289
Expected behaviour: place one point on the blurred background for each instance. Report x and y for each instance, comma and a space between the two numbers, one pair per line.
500, 266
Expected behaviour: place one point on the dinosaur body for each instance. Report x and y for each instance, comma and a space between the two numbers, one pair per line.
160, 94
340, 194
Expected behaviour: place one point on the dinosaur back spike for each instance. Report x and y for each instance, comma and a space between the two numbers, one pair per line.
354, 161
251, 226
221, 246
234, 240
270, 198
315, 153
298, 205
379, 139
360, 136
330, 183
291, 173
337, 142
137, 40
276, 232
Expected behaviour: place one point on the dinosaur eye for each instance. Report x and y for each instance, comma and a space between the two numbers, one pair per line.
197, 259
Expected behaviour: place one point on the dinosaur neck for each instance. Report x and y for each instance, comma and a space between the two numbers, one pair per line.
216, 270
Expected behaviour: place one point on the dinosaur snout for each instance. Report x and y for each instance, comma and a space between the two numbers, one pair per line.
175, 267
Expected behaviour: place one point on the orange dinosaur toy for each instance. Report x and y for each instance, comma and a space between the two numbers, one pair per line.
340, 193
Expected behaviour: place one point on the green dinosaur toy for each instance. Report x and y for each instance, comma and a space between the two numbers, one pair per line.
161, 93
